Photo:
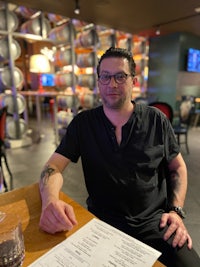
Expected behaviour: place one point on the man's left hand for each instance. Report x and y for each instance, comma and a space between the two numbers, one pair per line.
176, 227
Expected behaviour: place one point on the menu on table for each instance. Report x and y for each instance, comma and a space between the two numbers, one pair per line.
101, 245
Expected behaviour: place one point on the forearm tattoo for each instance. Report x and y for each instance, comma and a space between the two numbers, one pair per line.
46, 173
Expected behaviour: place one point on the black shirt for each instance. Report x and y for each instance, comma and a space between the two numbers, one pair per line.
124, 182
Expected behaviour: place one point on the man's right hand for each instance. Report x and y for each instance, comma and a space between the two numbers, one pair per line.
57, 216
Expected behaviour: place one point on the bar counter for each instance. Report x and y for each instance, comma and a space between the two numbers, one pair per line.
26, 203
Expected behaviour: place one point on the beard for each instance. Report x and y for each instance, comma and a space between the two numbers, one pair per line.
114, 103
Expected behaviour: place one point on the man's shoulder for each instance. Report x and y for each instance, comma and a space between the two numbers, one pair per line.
142, 110
86, 114
146, 110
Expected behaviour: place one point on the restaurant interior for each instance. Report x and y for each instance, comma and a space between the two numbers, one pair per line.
48, 56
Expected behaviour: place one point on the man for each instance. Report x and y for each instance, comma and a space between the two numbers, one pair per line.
135, 175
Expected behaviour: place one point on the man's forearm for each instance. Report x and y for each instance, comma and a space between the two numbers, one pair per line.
50, 183
45, 175
178, 186
177, 182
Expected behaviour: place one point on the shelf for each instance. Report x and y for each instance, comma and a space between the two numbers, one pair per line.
28, 36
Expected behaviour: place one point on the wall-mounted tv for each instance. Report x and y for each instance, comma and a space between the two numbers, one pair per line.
48, 79
193, 60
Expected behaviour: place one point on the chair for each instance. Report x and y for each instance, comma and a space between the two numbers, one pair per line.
181, 128
3, 158
165, 108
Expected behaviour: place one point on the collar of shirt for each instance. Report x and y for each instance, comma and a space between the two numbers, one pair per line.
127, 129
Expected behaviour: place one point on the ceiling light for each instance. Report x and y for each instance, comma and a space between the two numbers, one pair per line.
77, 7
197, 9
158, 31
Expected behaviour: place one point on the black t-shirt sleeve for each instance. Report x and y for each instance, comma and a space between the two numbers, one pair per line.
172, 148
69, 145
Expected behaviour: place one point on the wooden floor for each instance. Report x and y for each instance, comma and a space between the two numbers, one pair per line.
26, 164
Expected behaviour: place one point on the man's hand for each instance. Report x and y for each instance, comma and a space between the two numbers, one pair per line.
177, 227
58, 216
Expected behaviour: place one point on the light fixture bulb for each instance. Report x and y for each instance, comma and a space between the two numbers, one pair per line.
197, 9
77, 11
158, 32
77, 7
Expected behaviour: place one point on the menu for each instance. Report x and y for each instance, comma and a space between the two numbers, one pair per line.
97, 244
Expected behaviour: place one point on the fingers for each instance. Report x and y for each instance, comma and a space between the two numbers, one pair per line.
50, 224
189, 240
70, 212
164, 220
57, 217
176, 228
180, 238
172, 228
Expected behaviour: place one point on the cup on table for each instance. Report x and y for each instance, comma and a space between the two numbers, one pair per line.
12, 250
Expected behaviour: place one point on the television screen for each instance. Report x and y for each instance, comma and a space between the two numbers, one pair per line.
48, 79
193, 60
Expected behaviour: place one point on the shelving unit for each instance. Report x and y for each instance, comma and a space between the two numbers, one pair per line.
12, 79
140, 50
87, 58
76, 47
11, 76
63, 36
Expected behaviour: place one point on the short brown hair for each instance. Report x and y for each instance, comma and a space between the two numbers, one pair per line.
121, 53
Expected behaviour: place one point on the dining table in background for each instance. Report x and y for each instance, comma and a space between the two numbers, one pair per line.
37, 98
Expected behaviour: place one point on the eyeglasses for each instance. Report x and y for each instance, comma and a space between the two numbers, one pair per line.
119, 78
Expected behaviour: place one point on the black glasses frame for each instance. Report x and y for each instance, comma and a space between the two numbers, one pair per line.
119, 78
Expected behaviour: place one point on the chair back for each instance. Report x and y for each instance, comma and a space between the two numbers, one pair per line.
186, 109
165, 108
3, 114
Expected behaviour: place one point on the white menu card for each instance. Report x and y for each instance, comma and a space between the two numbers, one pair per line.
97, 244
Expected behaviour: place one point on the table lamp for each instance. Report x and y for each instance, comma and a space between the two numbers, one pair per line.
39, 64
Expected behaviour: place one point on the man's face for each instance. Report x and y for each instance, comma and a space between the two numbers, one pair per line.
118, 90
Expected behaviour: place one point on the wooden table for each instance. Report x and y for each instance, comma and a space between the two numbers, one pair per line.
26, 203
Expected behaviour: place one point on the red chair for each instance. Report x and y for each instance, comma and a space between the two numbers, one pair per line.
165, 108
3, 158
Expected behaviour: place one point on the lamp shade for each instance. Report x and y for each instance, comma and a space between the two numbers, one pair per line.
39, 64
